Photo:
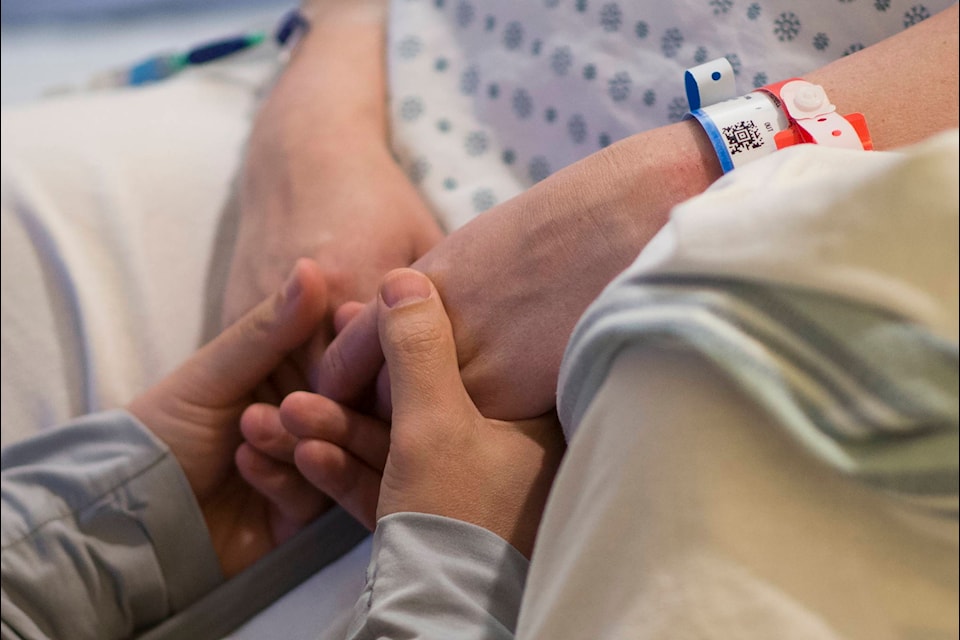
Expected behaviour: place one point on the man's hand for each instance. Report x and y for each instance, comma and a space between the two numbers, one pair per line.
195, 410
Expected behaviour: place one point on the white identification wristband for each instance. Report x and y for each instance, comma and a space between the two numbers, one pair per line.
742, 129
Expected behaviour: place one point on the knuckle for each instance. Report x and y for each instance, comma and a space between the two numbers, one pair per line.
333, 368
259, 325
334, 362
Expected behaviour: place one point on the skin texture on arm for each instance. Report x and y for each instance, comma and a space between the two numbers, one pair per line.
906, 85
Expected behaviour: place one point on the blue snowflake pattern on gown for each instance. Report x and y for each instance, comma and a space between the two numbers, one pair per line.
469, 81
721, 7
619, 86
671, 42
483, 199
917, 13
475, 143
560, 60
411, 109
786, 26
611, 16
577, 128
522, 104
465, 14
539, 168
513, 36
409, 48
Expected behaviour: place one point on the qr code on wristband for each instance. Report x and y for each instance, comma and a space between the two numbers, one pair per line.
742, 137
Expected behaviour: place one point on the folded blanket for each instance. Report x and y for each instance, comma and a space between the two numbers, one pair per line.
825, 284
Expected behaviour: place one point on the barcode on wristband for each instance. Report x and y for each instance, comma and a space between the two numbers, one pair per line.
742, 129
742, 137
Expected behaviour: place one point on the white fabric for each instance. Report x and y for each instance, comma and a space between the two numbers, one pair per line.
110, 214
767, 223
825, 282
683, 509
681, 512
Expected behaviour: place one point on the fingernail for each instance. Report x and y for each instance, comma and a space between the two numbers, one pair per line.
404, 287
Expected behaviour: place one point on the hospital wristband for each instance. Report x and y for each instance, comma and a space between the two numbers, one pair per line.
745, 128
742, 129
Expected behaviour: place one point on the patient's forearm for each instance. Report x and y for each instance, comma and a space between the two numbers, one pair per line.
906, 85
588, 221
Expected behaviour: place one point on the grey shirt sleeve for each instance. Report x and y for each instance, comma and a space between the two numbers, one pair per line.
435, 577
101, 534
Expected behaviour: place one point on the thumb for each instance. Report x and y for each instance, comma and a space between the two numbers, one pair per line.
417, 342
237, 360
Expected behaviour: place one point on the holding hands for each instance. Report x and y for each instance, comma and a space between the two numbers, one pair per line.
439, 455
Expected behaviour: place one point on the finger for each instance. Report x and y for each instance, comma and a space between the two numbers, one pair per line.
417, 341
342, 476
281, 484
261, 427
232, 364
307, 415
345, 313
351, 362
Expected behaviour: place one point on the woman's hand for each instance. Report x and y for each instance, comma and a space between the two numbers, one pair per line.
195, 410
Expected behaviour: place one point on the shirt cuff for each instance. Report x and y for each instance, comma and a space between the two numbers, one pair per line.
436, 577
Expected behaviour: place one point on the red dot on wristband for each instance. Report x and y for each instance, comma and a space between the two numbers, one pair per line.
836, 132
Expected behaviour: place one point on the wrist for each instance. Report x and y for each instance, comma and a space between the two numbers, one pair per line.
344, 10
335, 82
660, 169
622, 196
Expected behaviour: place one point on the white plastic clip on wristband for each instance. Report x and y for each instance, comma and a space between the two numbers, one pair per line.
811, 111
